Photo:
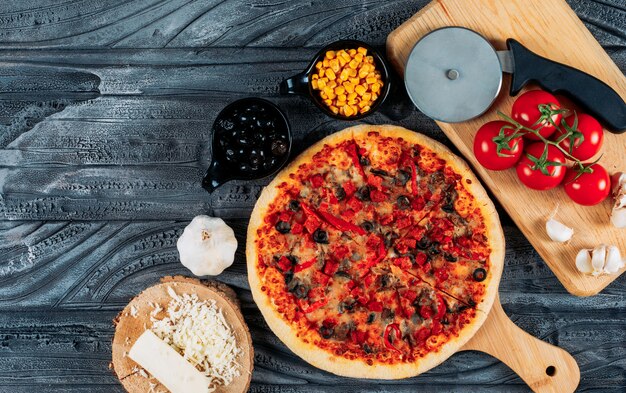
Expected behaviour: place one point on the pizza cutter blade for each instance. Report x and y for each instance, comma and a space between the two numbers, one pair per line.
454, 74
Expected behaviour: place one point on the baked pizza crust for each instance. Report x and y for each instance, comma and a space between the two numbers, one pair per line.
325, 360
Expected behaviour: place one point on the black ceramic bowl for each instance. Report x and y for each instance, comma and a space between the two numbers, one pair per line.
251, 139
300, 83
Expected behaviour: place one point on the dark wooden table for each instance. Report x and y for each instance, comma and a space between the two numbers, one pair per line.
105, 115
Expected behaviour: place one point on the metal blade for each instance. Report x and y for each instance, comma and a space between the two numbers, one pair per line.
506, 61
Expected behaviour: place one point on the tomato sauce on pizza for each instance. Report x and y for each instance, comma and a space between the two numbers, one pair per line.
373, 248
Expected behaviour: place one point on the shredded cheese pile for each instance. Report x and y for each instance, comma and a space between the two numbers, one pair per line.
199, 332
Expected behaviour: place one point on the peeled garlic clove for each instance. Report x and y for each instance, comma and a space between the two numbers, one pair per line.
598, 256
583, 261
614, 260
558, 232
618, 213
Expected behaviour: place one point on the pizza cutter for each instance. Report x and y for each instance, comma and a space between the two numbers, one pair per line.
454, 74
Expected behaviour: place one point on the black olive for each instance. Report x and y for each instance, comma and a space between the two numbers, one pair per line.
403, 202
343, 274
348, 306
367, 348
433, 250
293, 259
445, 321
462, 308
367, 226
448, 208
279, 147
385, 280
300, 291
294, 205
371, 318
379, 172
288, 277
389, 238
480, 274
320, 236
283, 227
326, 332
450, 257
471, 303
423, 243
363, 193
402, 177
364, 161
340, 193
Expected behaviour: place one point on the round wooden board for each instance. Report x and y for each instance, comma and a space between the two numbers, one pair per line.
129, 328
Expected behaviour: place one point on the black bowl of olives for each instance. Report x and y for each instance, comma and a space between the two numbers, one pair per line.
251, 140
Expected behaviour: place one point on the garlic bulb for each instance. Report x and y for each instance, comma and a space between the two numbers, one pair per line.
558, 232
601, 260
207, 246
618, 214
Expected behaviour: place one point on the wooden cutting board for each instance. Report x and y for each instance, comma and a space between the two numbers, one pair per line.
549, 28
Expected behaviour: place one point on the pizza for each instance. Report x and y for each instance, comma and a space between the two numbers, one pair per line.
375, 254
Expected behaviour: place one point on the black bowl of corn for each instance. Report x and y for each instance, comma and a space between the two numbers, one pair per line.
346, 80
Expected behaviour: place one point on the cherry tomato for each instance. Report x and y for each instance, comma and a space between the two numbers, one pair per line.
486, 150
592, 133
526, 112
590, 188
535, 178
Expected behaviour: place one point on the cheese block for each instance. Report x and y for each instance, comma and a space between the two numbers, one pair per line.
167, 365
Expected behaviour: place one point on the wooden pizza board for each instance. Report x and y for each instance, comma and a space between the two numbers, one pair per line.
135, 319
549, 28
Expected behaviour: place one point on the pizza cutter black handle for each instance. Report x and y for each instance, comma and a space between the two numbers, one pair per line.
594, 95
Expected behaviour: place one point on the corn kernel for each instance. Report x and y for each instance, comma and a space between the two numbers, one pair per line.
358, 57
341, 97
340, 90
370, 80
330, 74
330, 54
332, 84
328, 102
363, 103
375, 88
369, 59
318, 65
334, 109
348, 111
314, 84
314, 77
345, 74
353, 64
352, 102
342, 62
323, 95
352, 73
362, 50
353, 95
365, 109
331, 96
341, 103
374, 97
360, 90
363, 73
349, 87
355, 81
325, 62
352, 52
321, 83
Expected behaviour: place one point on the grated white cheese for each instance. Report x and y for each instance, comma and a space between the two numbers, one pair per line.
199, 332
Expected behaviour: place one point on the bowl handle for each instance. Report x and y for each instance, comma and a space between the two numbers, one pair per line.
215, 176
297, 84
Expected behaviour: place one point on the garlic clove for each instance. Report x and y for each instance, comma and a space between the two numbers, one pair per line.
558, 232
583, 261
598, 256
614, 261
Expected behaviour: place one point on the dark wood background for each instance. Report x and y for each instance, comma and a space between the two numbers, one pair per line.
105, 114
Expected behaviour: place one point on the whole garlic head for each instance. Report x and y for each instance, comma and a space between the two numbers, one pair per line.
207, 246
601, 260
618, 214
